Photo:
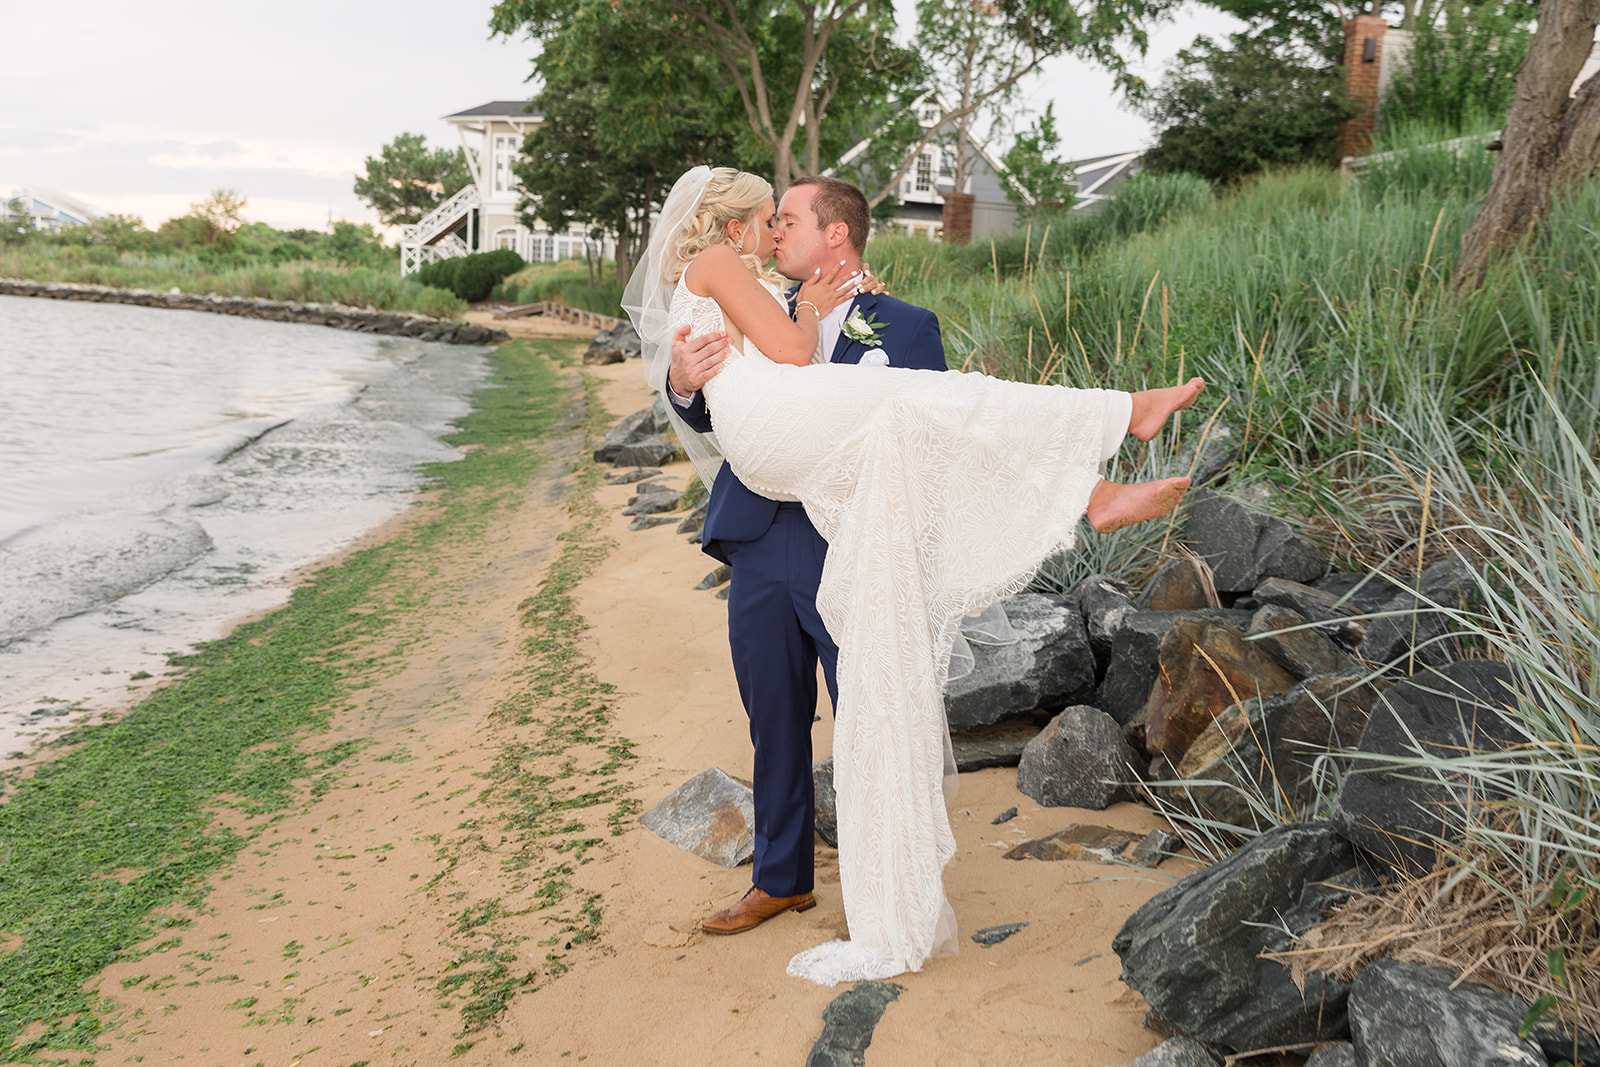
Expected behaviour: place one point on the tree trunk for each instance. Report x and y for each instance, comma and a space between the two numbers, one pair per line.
1552, 141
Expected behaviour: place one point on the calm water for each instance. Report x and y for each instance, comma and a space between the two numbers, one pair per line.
163, 472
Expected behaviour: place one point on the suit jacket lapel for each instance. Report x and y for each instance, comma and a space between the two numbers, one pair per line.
844, 349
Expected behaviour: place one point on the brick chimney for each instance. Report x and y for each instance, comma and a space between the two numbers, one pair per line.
956, 218
1363, 69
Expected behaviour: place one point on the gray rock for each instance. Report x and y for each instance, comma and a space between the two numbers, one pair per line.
720, 574
1244, 547
1358, 593
1103, 601
643, 450
1205, 668
653, 499
1048, 666
848, 1022
638, 474
1193, 949
1176, 1052
642, 421
1216, 453
993, 935
1449, 711
1334, 1054
712, 815
1135, 654
1004, 817
695, 521
1315, 605
626, 340
827, 805
1080, 761
1406, 1015
1410, 624
646, 522
998, 745
1304, 653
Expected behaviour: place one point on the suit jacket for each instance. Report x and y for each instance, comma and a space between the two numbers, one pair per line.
910, 338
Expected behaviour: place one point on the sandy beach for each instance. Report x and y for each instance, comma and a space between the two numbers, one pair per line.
377, 921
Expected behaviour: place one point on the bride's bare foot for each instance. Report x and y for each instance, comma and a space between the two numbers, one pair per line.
1113, 506
1153, 407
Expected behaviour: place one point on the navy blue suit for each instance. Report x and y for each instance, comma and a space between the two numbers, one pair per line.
774, 632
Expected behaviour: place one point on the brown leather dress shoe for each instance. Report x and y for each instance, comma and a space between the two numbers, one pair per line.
753, 909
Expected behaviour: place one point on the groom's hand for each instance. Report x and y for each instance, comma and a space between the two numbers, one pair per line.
695, 360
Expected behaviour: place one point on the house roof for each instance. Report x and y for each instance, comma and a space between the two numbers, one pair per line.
59, 201
497, 109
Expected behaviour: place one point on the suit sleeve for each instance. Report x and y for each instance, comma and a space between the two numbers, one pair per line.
696, 415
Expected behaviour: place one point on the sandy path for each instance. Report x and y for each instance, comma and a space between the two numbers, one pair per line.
337, 921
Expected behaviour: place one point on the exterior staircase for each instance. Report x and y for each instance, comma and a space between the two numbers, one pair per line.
434, 238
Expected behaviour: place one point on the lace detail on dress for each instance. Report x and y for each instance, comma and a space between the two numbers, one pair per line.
938, 494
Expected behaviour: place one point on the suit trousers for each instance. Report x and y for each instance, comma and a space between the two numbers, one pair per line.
777, 639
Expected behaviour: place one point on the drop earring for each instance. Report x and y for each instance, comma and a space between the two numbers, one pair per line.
739, 248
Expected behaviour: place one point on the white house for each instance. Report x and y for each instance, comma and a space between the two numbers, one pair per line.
483, 215
50, 210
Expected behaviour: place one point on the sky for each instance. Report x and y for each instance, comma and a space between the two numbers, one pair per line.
143, 109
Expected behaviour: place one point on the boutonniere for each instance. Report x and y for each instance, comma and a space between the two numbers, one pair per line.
863, 328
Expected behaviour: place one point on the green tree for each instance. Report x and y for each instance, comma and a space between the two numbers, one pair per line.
1034, 165
978, 52
1225, 112
785, 67
621, 119
358, 245
17, 222
1461, 66
406, 180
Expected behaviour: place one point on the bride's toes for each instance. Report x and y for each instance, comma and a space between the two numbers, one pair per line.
1113, 506
1152, 407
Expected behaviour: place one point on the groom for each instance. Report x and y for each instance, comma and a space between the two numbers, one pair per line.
776, 555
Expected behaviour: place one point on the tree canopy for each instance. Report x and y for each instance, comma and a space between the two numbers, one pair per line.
406, 179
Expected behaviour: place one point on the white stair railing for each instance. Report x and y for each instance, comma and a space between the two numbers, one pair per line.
420, 243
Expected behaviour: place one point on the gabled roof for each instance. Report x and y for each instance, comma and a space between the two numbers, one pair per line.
977, 144
497, 109
59, 202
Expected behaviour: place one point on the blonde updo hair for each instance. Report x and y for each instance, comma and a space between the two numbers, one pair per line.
730, 195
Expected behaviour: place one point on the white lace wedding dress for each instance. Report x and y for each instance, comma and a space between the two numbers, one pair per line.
938, 494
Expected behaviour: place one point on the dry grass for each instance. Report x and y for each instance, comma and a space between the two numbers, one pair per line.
1458, 918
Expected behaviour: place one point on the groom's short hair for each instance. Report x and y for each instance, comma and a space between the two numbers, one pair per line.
836, 200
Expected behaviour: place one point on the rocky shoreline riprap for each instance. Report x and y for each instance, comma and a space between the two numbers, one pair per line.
339, 316
1229, 684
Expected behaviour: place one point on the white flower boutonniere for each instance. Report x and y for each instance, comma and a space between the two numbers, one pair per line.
863, 328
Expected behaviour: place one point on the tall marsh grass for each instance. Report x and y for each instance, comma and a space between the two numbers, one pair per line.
309, 282
568, 281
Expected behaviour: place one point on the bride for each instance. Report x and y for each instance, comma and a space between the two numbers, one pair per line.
938, 494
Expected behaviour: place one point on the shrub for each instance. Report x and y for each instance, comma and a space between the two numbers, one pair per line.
472, 278
1454, 75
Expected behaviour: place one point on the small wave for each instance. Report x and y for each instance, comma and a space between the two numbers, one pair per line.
69, 567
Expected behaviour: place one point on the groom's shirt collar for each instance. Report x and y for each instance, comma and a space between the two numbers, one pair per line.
829, 329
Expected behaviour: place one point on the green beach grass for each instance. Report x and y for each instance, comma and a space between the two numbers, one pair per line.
106, 846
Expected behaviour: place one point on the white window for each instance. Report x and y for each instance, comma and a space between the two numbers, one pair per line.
924, 180
930, 114
506, 238
505, 154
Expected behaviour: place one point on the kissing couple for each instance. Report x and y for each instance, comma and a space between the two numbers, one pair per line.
865, 506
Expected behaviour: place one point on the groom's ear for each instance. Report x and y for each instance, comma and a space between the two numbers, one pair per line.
837, 234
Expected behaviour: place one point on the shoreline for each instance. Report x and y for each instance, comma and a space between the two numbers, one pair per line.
457, 871
339, 316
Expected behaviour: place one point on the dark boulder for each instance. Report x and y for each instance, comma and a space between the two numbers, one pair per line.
1357, 593
1176, 1052
827, 801
1447, 712
1048, 666
1207, 452
1411, 625
996, 745
1406, 1015
1205, 667
1304, 652
1228, 759
1193, 949
643, 450
1334, 1054
1079, 761
1314, 605
848, 1022
1245, 547
1104, 602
